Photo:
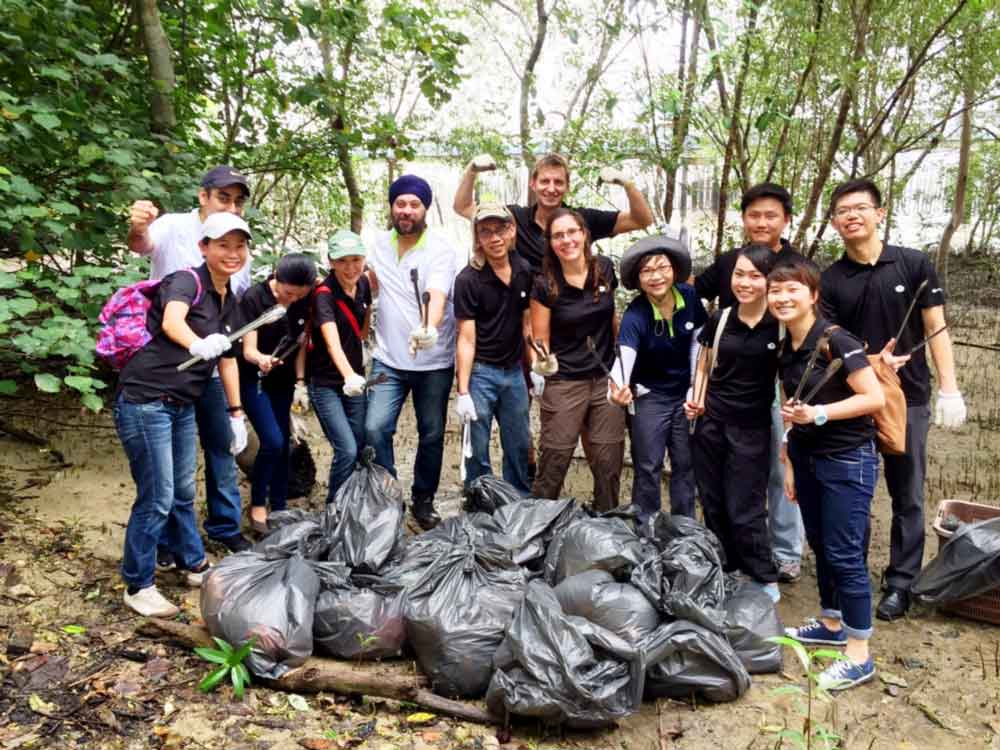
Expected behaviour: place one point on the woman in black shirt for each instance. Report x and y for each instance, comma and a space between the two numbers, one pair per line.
831, 465
573, 300
267, 381
191, 311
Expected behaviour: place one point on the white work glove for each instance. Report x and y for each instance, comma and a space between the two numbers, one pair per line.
465, 409
546, 366
482, 163
300, 399
297, 429
422, 338
537, 384
210, 347
613, 176
950, 411
354, 385
238, 425
689, 396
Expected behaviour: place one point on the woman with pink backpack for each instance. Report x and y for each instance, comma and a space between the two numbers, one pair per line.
190, 313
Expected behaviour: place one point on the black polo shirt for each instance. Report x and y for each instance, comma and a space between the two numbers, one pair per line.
870, 301
741, 387
320, 368
530, 243
836, 435
577, 314
663, 347
497, 309
152, 373
716, 281
255, 301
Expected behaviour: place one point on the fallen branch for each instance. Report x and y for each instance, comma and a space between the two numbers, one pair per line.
382, 680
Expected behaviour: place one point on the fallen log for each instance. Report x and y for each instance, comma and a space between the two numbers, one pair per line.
393, 680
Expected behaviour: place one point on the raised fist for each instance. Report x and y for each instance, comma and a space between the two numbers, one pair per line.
142, 214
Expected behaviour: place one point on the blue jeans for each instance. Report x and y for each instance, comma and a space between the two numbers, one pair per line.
158, 439
431, 389
343, 421
659, 426
835, 495
500, 393
783, 517
269, 413
222, 492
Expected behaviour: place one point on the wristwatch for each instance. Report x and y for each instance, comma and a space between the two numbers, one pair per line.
820, 418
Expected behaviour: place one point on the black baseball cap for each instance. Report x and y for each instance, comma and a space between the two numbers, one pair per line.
224, 176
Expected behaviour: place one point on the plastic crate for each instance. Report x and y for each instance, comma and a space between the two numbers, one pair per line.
985, 607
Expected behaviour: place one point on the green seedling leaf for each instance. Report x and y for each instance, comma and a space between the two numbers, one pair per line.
74, 629
223, 646
243, 652
47, 383
8, 387
210, 654
244, 673
826, 653
237, 681
92, 401
213, 679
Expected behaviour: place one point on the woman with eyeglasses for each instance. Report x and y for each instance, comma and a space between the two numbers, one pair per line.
656, 338
733, 390
573, 319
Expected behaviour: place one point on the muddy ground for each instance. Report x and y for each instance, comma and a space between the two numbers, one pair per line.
89, 681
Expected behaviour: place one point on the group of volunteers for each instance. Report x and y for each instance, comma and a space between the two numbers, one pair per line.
766, 407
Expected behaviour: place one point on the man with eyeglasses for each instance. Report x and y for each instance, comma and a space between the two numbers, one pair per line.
172, 242
491, 307
868, 291
766, 210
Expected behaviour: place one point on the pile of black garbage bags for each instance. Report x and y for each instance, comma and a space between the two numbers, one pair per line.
544, 608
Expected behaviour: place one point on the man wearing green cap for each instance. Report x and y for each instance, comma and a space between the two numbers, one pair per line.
333, 362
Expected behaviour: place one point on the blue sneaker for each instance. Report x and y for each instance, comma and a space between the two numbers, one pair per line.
815, 632
844, 674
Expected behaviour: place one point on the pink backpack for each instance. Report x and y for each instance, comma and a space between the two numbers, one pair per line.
123, 321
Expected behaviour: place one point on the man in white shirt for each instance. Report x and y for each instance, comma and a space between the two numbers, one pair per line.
171, 241
414, 342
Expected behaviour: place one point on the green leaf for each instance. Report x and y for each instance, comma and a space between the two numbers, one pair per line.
244, 651
120, 157
210, 654
8, 280
8, 387
47, 120
74, 629
89, 153
828, 653
60, 74
223, 646
237, 681
79, 383
66, 209
47, 383
92, 401
213, 679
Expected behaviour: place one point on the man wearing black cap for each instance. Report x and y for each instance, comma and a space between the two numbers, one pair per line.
491, 306
656, 337
171, 241
766, 211
414, 342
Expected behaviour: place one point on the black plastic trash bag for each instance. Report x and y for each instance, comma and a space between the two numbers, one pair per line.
459, 607
967, 565
683, 659
750, 619
530, 524
487, 493
298, 532
563, 669
662, 528
685, 581
247, 595
359, 618
368, 531
595, 544
617, 607
301, 470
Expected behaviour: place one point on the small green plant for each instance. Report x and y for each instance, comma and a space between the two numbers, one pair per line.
813, 734
230, 661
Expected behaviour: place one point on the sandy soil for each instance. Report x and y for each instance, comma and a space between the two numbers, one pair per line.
62, 517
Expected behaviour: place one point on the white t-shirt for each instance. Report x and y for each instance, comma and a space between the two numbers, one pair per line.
398, 314
175, 239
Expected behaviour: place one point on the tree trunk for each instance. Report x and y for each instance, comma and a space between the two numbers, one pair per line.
961, 185
528, 82
688, 79
161, 67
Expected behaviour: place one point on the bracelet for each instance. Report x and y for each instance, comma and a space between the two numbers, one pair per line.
234, 409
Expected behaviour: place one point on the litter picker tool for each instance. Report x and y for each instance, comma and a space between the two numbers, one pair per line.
538, 346
829, 372
426, 299
923, 343
273, 315
415, 278
466, 449
593, 350
377, 380
703, 359
821, 343
909, 310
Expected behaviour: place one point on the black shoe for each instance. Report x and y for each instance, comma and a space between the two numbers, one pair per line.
423, 513
236, 543
894, 604
165, 560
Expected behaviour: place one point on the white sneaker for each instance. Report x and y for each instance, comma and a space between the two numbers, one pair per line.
196, 576
150, 603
